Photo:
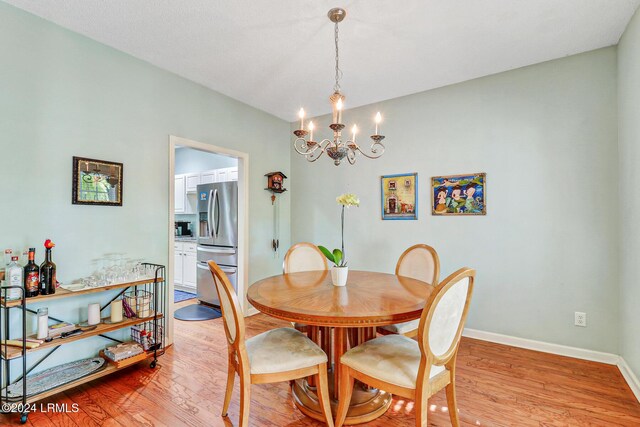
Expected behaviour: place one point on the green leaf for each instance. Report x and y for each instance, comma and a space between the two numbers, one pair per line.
337, 256
326, 253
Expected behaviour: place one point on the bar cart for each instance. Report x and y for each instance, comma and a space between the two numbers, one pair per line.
153, 321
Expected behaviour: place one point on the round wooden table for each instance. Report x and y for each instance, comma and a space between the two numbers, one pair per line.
339, 318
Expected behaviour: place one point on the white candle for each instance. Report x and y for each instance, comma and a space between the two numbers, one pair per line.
93, 314
339, 109
43, 326
116, 311
311, 131
301, 115
378, 120
354, 130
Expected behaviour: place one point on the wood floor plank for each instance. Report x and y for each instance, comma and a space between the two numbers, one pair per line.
498, 386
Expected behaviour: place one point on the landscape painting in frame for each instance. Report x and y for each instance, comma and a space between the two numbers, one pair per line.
459, 194
399, 196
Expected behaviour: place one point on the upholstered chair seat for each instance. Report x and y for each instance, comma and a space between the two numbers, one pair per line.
282, 349
278, 355
402, 328
394, 359
415, 369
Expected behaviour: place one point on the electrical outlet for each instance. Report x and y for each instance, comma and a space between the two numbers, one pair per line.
580, 319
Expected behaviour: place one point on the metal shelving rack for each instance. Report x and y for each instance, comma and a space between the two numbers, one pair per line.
156, 323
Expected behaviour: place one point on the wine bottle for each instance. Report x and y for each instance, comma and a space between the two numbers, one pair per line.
31, 276
48, 271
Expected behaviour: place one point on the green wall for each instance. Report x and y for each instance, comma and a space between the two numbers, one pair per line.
555, 239
62, 94
546, 137
629, 141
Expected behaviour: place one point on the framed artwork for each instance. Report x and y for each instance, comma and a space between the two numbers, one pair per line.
96, 182
399, 194
459, 194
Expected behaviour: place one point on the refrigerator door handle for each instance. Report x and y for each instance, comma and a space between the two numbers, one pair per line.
212, 206
218, 212
209, 218
217, 250
230, 270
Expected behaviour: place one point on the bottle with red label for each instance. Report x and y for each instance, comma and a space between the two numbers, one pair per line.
31, 276
48, 280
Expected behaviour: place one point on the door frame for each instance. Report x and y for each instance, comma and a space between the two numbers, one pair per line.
243, 219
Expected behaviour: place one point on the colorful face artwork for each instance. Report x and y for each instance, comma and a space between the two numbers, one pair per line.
459, 195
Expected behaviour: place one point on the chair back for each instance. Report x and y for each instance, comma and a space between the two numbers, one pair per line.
444, 317
304, 257
231, 313
420, 262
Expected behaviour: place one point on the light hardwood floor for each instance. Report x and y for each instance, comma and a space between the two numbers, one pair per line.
497, 386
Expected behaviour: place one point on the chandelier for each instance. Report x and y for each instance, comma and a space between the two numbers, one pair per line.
336, 148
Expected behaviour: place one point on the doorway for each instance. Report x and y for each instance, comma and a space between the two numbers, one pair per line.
194, 166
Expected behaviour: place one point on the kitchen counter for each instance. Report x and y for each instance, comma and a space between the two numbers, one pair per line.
192, 239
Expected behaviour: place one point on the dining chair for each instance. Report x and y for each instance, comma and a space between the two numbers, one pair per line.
415, 369
419, 262
303, 256
282, 354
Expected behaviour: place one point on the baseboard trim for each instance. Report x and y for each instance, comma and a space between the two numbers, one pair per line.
545, 347
629, 377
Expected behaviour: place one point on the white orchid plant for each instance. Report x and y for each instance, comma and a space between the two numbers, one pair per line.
337, 255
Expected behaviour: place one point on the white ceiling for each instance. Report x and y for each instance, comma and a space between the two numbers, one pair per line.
278, 55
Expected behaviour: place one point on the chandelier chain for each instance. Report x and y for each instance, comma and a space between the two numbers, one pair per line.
336, 87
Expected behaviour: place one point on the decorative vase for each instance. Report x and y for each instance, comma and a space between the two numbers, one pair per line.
339, 275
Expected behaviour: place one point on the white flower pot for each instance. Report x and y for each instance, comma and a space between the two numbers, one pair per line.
339, 275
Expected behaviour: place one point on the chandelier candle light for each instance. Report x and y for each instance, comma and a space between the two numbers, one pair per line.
336, 148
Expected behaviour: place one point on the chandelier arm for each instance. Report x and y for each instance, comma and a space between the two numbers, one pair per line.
375, 150
351, 156
310, 157
303, 146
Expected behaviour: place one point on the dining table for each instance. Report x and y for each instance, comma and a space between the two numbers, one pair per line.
338, 318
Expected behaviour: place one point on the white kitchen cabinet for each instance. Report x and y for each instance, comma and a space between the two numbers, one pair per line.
185, 264
177, 264
189, 269
187, 184
192, 182
180, 199
208, 177
183, 201
233, 174
221, 175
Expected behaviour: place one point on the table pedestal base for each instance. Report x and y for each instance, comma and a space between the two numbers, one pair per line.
367, 404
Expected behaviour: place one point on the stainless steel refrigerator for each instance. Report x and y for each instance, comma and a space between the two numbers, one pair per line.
217, 236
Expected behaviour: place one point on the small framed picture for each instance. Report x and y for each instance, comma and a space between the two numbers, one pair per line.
96, 182
459, 194
399, 202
